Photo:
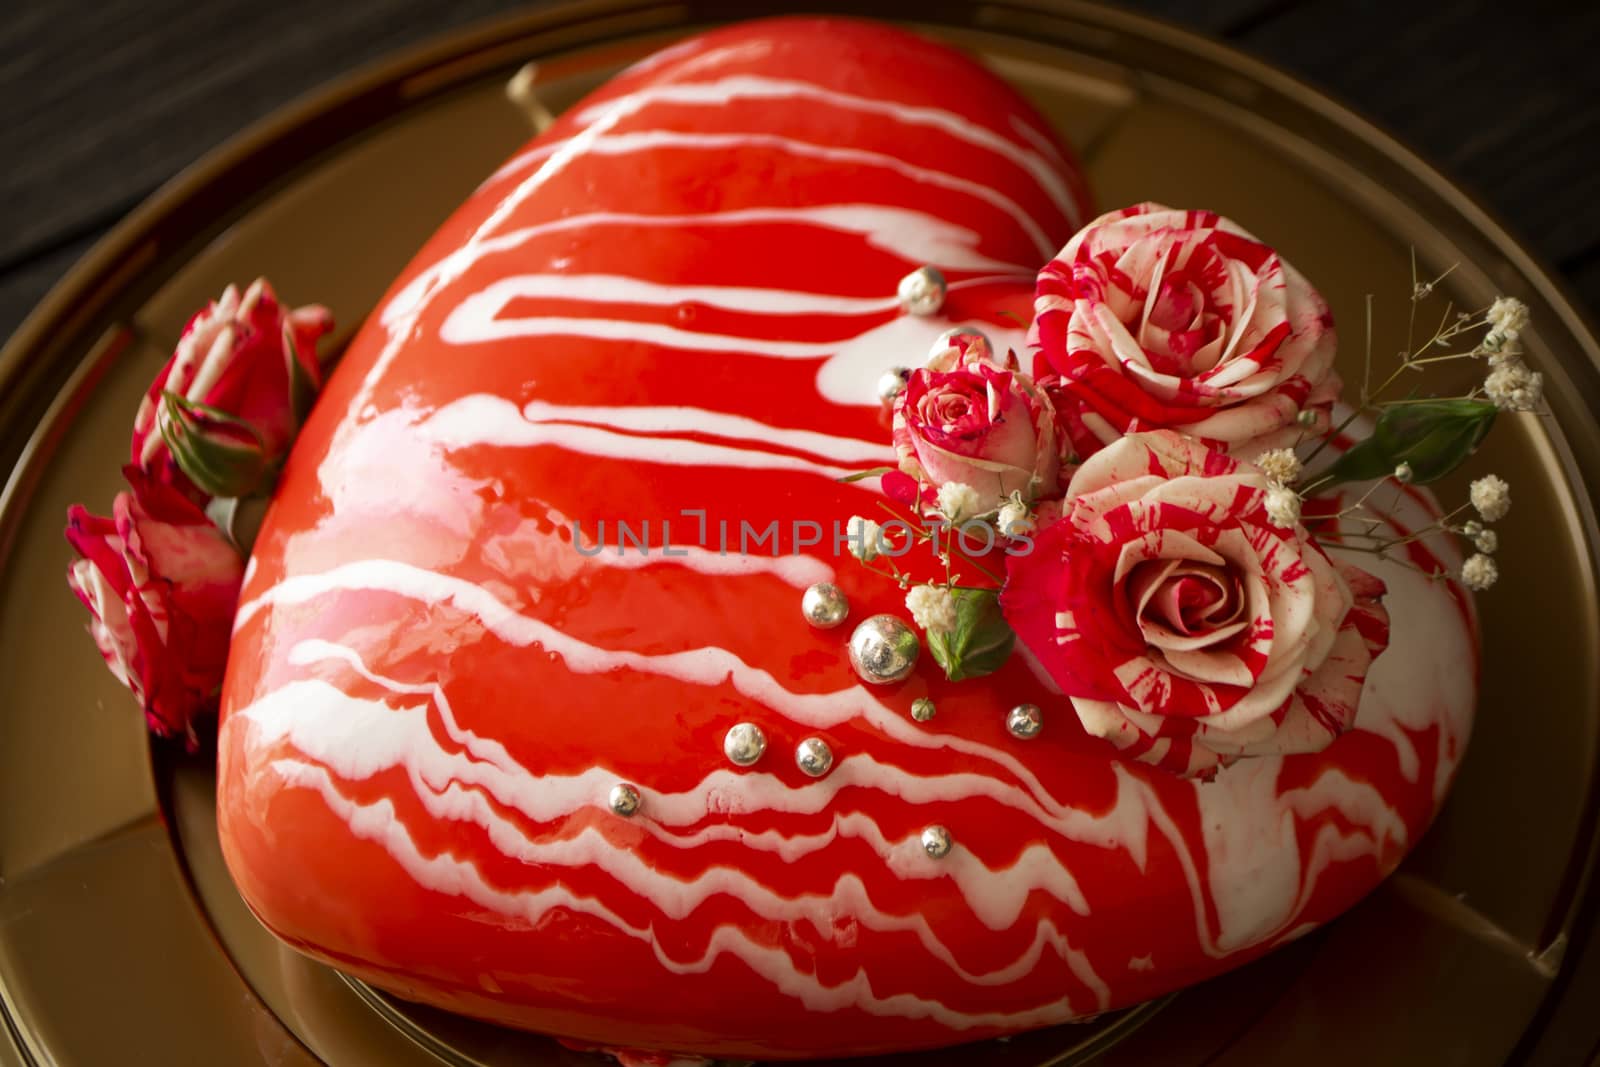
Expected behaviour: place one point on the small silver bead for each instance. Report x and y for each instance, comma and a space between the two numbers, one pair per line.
814, 756
824, 605
978, 344
1025, 721
893, 383
745, 744
936, 842
922, 709
624, 799
883, 649
922, 291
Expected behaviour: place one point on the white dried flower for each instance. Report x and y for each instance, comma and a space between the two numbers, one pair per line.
958, 501
1491, 496
1486, 541
1280, 465
1479, 572
863, 536
1508, 316
1512, 386
1472, 528
1014, 517
933, 608
1283, 506
1499, 346
1402, 473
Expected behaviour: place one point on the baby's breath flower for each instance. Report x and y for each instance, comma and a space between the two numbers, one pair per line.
1479, 572
959, 501
1491, 496
1280, 465
1283, 505
1471, 528
1486, 541
1508, 316
1512, 386
933, 608
1402, 473
863, 536
1014, 517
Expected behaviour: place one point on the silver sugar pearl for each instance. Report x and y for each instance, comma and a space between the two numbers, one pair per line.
745, 744
824, 605
922, 291
624, 799
978, 344
1024, 721
883, 649
936, 842
814, 756
922, 709
893, 383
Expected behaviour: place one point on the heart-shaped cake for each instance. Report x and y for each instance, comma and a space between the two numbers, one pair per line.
523, 717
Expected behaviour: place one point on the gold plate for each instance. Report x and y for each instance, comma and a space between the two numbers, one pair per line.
122, 939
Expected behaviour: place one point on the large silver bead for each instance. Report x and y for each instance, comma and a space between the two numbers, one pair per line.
1025, 721
824, 605
814, 757
624, 799
922, 291
893, 383
922, 709
745, 744
978, 344
883, 649
936, 842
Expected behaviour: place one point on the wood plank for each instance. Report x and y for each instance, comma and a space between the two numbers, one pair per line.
1504, 97
102, 100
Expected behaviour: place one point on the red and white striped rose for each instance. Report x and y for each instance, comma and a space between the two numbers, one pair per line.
1155, 318
1185, 627
969, 419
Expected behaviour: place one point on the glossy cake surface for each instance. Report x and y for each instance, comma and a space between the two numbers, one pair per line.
670, 311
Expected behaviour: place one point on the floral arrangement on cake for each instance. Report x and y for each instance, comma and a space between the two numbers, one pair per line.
1154, 494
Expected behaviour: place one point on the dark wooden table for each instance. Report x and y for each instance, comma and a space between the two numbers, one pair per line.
103, 100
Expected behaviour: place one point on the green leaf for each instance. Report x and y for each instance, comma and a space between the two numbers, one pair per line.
981, 640
222, 454
859, 475
1433, 436
302, 390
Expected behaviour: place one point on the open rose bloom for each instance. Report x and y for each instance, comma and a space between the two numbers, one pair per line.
246, 371
1155, 318
968, 418
1183, 625
161, 584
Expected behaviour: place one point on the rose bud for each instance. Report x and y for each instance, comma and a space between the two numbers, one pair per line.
161, 584
965, 419
1153, 317
1186, 626
221, 415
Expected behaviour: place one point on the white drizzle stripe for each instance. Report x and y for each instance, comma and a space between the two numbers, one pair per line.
716, 93
623, 289
800, 572
678, 419
380, 822
484, 420
476, 320
646, 140
913, 235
